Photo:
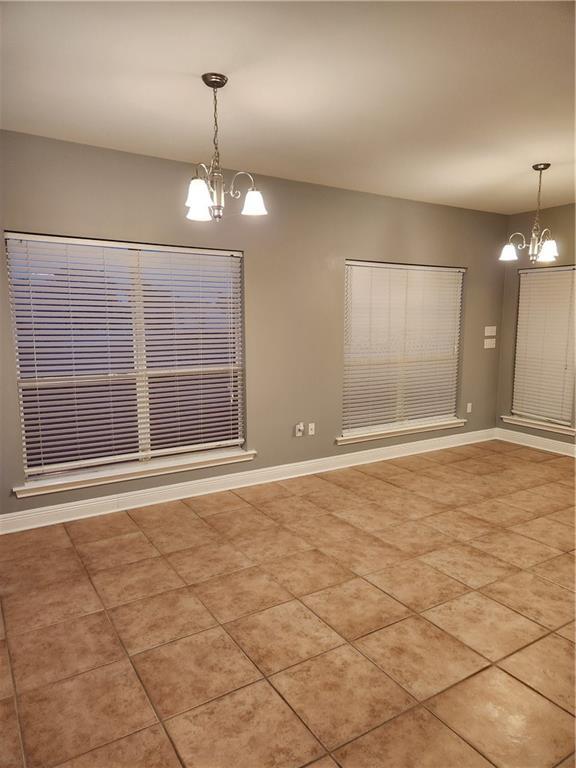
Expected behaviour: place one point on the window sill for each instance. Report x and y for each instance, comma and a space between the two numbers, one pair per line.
84, 478
545, 426
432, 426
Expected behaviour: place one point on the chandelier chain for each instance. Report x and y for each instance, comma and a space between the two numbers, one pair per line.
216, 159
536, 226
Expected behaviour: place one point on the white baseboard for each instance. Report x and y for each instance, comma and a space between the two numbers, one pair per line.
59, 513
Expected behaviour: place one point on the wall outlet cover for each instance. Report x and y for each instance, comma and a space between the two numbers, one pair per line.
489, 330
489, 343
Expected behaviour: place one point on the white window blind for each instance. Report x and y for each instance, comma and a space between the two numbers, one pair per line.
402, 332
544, 367
124, 352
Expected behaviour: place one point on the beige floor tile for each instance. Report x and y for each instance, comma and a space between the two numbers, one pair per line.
282, 636
193, 670
189, 532
567, 631
160, 619
533, 502
416, 584
368, 516
119, 550
497, 512
568, 763
270, 544
539, 600
422, 658
324, 762
548, 666
68, 718
483, 624
556, 492
514, 548
291, 510
156, 515
53, 653
381, 469
355, 608
36, 571
506, 721
364, 553
6, 688
410, 506
300, 486
322, 530
559, 570
2, 626
260, 494
341, 695
414, 538
481, 466
101, 527
549, 532
240, 522
459, 525
415, 739
37, 542
132, 582
331, 498
411, 463
441, 492
25, 611
500, 446
564, 516
459, 453
306, 572
468, 565
248, 728
533, 454
212, 503
351, 479
230, 597
10, 740
149, 748
211, 560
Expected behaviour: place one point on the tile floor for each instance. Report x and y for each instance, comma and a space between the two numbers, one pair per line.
417, 612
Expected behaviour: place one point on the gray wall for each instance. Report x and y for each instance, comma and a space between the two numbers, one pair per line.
294, 269
561, 222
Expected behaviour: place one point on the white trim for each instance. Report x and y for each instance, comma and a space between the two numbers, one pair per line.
59, 513
352, 436
396, 265
130, 246
546, 426
84, 478
535, 441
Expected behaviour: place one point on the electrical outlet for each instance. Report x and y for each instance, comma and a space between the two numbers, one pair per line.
311, 429
489, 343
468, 407
299, 429
489, 330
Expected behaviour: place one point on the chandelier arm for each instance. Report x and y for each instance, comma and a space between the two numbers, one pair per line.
546, 234
235, 193
522, 244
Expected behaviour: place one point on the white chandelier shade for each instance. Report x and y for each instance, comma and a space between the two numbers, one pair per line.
254, 204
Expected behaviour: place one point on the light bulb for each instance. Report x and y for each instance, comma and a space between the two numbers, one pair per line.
254, 204
548, 252
508, 253
198, 201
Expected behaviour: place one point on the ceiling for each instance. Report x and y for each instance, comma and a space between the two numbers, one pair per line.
443, 102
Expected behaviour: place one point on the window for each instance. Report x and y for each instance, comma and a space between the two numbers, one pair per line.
125, 352
544, 367
401, 347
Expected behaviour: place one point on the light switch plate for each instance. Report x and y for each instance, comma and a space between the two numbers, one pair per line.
489, 343
489, 330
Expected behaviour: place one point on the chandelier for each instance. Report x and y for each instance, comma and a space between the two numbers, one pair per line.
541, 246
207, 191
